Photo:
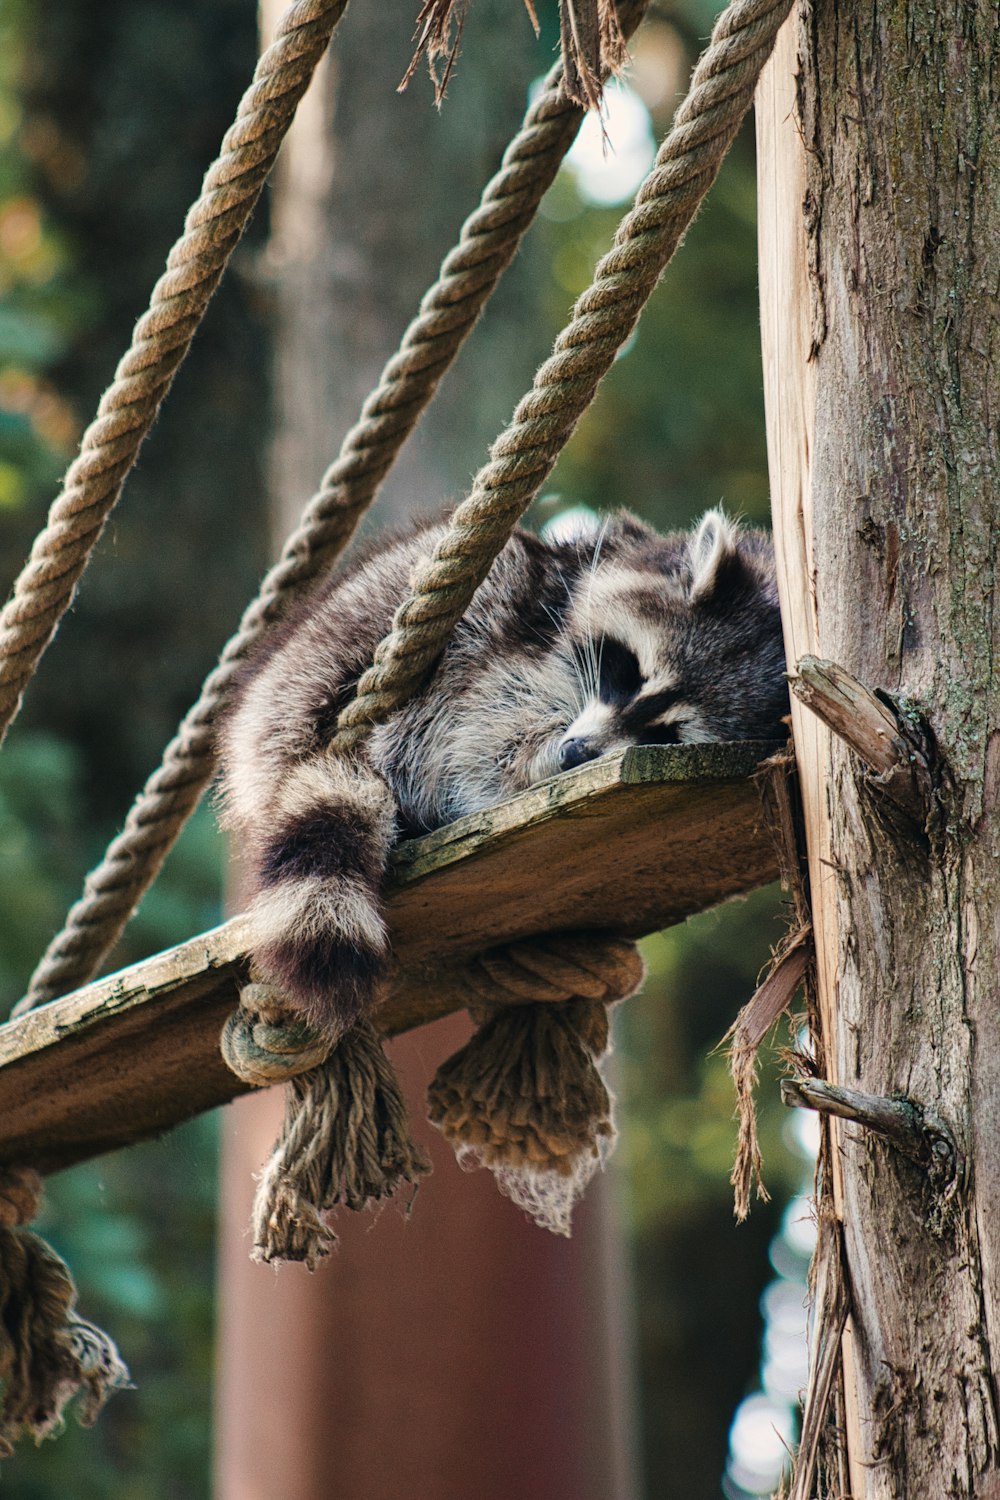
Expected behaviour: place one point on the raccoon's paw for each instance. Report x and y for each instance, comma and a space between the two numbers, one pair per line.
326, 950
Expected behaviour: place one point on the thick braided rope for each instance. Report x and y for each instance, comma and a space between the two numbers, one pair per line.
604, 316
264, 1043
487, 243
554, 969
160, 341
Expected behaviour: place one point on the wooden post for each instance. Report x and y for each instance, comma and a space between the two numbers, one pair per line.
879, 166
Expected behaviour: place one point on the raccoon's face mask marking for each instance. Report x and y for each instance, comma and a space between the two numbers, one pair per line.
670, 642
623, 705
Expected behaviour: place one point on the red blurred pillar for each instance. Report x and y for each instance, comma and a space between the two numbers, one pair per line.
457, 1354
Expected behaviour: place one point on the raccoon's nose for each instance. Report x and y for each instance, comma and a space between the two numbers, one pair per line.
575, 753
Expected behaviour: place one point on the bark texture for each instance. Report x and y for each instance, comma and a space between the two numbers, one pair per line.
888, 531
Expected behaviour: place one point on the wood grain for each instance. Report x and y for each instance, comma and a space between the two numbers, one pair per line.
630, 843
790, 333
879, 154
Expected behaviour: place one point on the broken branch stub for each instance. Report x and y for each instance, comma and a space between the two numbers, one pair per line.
894, 748
915, 1131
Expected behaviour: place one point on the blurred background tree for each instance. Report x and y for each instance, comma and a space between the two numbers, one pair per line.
108, 117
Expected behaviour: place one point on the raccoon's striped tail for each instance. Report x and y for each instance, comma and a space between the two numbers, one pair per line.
319, 932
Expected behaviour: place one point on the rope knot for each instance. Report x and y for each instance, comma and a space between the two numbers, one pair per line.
553, 970
49, 1355
524, 1096
20, 1196
265, 1042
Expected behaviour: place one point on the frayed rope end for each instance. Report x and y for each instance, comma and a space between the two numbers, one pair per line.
49, 1355
345, 1141
524, 1099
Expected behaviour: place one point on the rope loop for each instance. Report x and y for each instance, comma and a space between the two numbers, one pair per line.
555, 969
263, 1042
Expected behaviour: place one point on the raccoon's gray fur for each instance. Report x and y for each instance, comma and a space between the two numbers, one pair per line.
569, 650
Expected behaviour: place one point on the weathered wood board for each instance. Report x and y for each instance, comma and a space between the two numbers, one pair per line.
631, 843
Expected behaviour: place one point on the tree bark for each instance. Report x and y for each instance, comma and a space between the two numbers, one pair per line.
879, 147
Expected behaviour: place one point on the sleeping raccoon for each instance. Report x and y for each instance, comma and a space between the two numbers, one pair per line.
569, 650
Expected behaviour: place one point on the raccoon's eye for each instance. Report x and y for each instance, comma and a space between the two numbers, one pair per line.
660, 734
619, 676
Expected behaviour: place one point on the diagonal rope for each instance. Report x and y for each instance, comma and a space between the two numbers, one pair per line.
160, 341
487, 243
604, 316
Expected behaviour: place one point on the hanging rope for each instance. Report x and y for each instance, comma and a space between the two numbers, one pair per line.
49, 1355
523, 1096
604, 316
345, 1140
161, 339
487, 243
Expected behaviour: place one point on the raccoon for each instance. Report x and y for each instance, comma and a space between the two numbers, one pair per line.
570, 649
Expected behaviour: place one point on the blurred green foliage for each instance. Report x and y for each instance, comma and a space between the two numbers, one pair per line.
679, 422
108, 116
698, 1273
90, 201
40, 301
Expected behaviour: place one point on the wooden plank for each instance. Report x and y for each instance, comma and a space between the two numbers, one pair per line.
630, 843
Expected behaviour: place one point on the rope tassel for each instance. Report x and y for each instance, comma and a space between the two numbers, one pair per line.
524, 1096
345, 1139
48, 1353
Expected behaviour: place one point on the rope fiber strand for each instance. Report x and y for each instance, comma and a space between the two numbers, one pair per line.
160, 341
524, 1097
49, 1355
686, 165
487, 243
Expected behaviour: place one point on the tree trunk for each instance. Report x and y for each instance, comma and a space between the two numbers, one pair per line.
879, 142
462, 1353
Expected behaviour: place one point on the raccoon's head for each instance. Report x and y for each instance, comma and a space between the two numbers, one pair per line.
673, 640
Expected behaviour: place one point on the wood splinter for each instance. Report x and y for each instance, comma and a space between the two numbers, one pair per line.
896, 750
916, 1131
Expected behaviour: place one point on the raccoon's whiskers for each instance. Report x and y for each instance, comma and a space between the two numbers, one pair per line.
593, 652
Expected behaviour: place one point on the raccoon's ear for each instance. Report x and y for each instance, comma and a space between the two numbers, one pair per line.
577, 524
714, 558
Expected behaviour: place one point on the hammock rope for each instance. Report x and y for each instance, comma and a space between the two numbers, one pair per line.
161, 339
487, 243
